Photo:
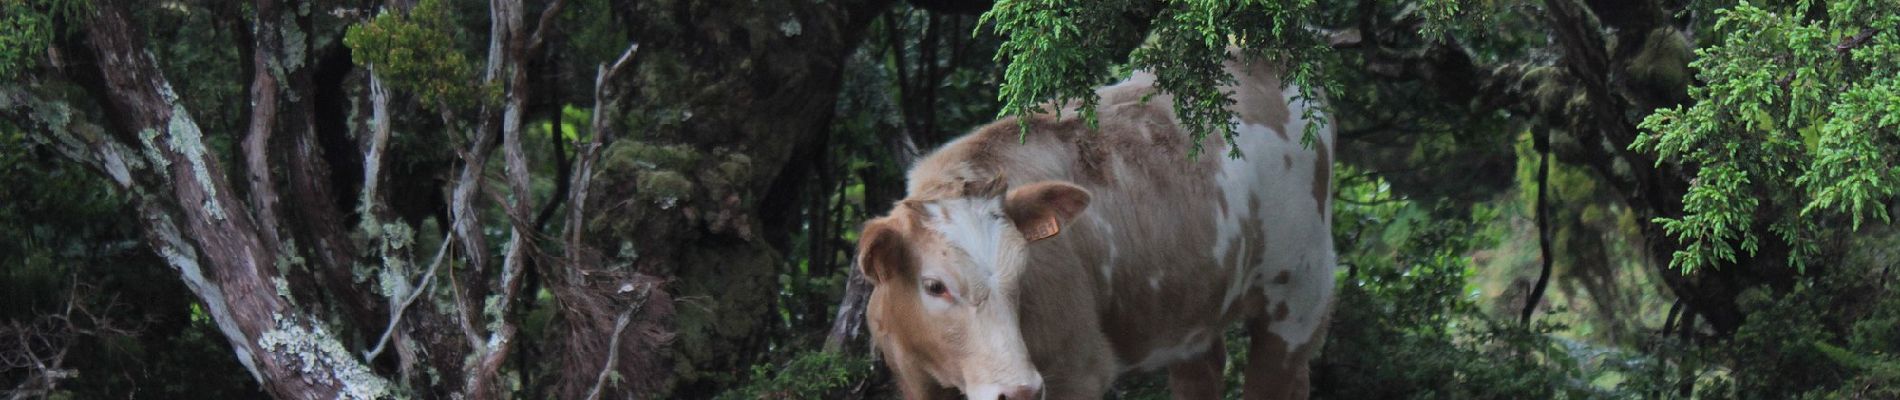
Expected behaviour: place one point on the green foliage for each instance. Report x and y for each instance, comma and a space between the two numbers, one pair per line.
1406, 319
416, 53
65, 236
1787, 349
1055, 49
1062, 49
27, 28
195, 55
595, 38
1793, 97
807, 375
1876, 376
1780, 360
27, 35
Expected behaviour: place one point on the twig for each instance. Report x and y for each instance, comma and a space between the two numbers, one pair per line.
1856, 41
1543, 229
613, 345
598, 127
420, 288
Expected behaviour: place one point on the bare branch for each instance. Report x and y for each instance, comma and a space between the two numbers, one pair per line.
379, 140
613, 345
542, 25
601, 128
419, 288
510, 63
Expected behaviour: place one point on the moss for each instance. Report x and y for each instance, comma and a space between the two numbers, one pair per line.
790, 27
666, 187
1664, 60
727, 294
807, 375
735, 167
282, 286
390, 283
148, 138
492, 310
55, 115
294, 41
645, 155
318, 355
188, 141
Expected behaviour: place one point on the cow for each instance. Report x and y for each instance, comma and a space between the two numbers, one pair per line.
1045, 265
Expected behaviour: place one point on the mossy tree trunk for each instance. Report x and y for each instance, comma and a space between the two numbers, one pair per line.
727, 94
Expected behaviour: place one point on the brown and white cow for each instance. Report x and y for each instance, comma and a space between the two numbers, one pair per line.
1017, 270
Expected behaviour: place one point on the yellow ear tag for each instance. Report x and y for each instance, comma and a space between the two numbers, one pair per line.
1046, 230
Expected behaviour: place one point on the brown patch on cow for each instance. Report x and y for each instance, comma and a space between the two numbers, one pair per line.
1286, 161
1260, 99
1274, 372
1322, 175
1040, 209
1283, 277
882, 251
1281, 311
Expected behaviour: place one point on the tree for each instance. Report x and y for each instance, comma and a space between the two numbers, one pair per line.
305, 242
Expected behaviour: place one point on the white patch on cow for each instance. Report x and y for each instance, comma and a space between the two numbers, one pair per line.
1154, 282
1307, 300
977, 227
1297, 239
1239, 180
1308, 294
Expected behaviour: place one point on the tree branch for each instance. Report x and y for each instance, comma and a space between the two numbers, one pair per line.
613, 345
1543, 229
414, 292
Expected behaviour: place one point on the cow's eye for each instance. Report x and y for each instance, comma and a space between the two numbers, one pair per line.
935, 288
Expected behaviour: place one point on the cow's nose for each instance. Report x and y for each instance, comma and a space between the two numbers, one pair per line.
1030, 391
1024, 392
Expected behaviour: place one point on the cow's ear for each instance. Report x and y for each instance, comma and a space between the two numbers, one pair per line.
1041, 209
881, 250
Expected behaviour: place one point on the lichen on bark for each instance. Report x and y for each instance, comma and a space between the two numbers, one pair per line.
319, 354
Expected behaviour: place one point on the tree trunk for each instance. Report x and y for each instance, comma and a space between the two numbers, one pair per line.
193, 216
728, 92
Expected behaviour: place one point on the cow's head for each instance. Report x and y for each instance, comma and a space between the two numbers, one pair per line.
947, 274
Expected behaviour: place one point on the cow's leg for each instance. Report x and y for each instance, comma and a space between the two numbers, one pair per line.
1199, 378
1274, 372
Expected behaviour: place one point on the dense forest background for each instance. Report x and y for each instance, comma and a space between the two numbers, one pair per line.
658, 198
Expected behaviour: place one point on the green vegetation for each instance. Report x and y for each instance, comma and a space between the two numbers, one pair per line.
807, 375
1799, 97
416, 53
